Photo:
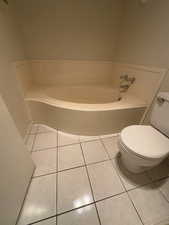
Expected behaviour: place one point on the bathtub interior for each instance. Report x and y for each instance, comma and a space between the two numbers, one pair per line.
84, 94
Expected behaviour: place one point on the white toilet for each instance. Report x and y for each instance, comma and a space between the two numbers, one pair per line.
143, 147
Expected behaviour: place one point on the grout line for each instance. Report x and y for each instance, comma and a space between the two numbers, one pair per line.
76, 143
135, 207
59, 171
80, 207
33, 144
92, 203
163, 195
25, 197
45, 149
105, 149
41, 220
63, 146
159, 190
126, 191
44, 175
90, 185
60, 146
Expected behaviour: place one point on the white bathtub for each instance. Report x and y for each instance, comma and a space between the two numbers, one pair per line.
78, 96
84, 94
84, 110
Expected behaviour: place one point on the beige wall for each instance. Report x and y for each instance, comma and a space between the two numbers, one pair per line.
77, 29
144, 37
11, 50
16, 168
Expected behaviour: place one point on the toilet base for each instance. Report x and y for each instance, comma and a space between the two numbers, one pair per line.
135, 164
131, 166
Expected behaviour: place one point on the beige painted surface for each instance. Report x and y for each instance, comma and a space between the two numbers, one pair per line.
144, 38
43, 95
63, 74
11, 50
73, 72
144, 34
16, 168
85, 122
24, 75
69, 29
73, 88
147, 80
164, 87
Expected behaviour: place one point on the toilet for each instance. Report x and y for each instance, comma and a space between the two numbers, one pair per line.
143, 147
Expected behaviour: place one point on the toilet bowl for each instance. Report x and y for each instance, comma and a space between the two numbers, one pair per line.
142, 147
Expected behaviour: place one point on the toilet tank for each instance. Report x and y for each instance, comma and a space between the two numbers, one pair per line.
160, 113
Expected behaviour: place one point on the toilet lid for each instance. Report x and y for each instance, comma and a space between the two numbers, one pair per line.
145, 141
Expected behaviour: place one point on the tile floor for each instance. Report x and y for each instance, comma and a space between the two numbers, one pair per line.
80, 181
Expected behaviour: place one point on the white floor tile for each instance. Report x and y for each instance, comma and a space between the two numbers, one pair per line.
45, 129
67, 139
163, 185
51, 221
45, 140
111, 146
30, 141
104, 179
73, 189
83, 216
40, 202
163, 222
70, 156
130, 180
118, 211
88, 138
45, 161
160, 171
150, 204
94, 152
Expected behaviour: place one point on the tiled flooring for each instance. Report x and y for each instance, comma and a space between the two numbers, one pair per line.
79, 181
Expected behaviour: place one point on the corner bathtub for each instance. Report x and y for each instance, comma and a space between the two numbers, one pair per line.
84, 110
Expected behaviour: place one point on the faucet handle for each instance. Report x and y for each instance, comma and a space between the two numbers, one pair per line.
124, 76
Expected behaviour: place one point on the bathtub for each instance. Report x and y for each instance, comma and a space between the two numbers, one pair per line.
82, 97
84, 110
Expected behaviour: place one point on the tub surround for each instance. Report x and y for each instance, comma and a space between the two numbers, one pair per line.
58, 94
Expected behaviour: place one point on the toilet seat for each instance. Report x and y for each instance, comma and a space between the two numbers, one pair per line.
145, 141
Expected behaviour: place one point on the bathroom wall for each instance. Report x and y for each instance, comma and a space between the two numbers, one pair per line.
144, 37
11, 50
76, 29
73, 72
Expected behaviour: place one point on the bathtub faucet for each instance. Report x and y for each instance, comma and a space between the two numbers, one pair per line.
125, 77
125, 82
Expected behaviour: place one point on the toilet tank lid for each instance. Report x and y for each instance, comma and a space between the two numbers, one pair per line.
145, 141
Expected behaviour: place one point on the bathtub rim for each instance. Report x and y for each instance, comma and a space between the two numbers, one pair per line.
127, 101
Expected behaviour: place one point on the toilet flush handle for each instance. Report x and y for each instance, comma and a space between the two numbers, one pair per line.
162, 97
